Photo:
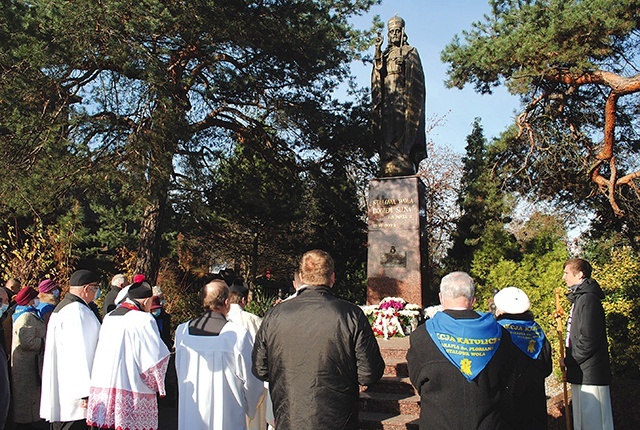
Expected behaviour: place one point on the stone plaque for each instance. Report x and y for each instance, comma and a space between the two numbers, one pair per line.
397, 250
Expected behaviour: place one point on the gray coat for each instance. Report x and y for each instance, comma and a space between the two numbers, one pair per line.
26, 366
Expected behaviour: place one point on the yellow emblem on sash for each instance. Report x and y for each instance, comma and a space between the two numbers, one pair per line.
465, 366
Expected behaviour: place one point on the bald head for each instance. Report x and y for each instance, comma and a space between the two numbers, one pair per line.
216, 296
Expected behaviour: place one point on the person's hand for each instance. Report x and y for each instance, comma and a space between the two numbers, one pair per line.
379, 41
561, 362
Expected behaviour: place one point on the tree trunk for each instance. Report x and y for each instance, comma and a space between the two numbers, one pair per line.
254, 258
167, 128
148, 257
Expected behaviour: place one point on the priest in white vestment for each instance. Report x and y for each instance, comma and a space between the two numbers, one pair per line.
239, 298
129, 367
72, 336
216, 389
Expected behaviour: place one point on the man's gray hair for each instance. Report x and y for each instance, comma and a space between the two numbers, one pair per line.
457, 284
119, 280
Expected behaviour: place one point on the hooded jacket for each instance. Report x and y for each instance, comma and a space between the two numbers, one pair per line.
587, 358
315, 350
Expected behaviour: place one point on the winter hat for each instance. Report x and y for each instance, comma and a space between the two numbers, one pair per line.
512, 300
47, 285
25, 295
83, 277
156, 303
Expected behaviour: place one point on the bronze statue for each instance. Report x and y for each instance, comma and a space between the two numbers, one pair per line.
398, 96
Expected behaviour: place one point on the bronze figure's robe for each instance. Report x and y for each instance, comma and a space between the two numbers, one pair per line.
398, 96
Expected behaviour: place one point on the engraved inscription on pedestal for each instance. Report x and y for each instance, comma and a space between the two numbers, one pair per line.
395, 254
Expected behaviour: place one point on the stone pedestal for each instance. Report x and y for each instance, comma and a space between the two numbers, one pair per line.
397, 254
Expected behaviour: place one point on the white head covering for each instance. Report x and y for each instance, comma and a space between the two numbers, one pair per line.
512, 300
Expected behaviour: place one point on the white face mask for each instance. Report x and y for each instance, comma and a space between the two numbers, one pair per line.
3, 308
36, 303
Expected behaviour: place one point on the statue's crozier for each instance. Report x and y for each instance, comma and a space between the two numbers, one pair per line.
398, 96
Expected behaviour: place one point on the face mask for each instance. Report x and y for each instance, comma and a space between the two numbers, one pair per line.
3, 309
36, 303
56, 294
162, 302
98, 294
156, 312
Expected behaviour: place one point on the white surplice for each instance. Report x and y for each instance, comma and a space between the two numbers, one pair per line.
264, 413
244, 319
72, 335
128, 370
216, 387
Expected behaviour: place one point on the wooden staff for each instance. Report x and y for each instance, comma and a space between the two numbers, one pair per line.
558, 316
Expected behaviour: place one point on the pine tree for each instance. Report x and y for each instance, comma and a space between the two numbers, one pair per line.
133, 87
472, 200
574, 64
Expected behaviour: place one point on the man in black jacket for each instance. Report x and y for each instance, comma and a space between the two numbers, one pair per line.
314, 350
460, 362
587, 360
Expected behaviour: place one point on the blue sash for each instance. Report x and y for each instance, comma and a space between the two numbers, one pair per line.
469, 344
20, 309
527, 335
44, 308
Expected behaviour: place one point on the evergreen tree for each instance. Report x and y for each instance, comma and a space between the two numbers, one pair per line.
480, 202
136, 86
575, 65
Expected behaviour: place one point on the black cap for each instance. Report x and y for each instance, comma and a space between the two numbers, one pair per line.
238, 286
140, 290
83, 277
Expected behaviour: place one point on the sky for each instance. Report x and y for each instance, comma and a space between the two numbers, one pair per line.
430, 26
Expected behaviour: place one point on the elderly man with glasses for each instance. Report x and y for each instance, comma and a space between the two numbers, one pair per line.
72, 336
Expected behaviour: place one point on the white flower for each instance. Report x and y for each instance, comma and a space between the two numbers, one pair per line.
389, 319
432, 310
369, 309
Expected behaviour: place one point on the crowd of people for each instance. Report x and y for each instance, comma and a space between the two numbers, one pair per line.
67, 365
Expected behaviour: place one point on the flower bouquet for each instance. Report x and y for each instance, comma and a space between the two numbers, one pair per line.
392, 317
